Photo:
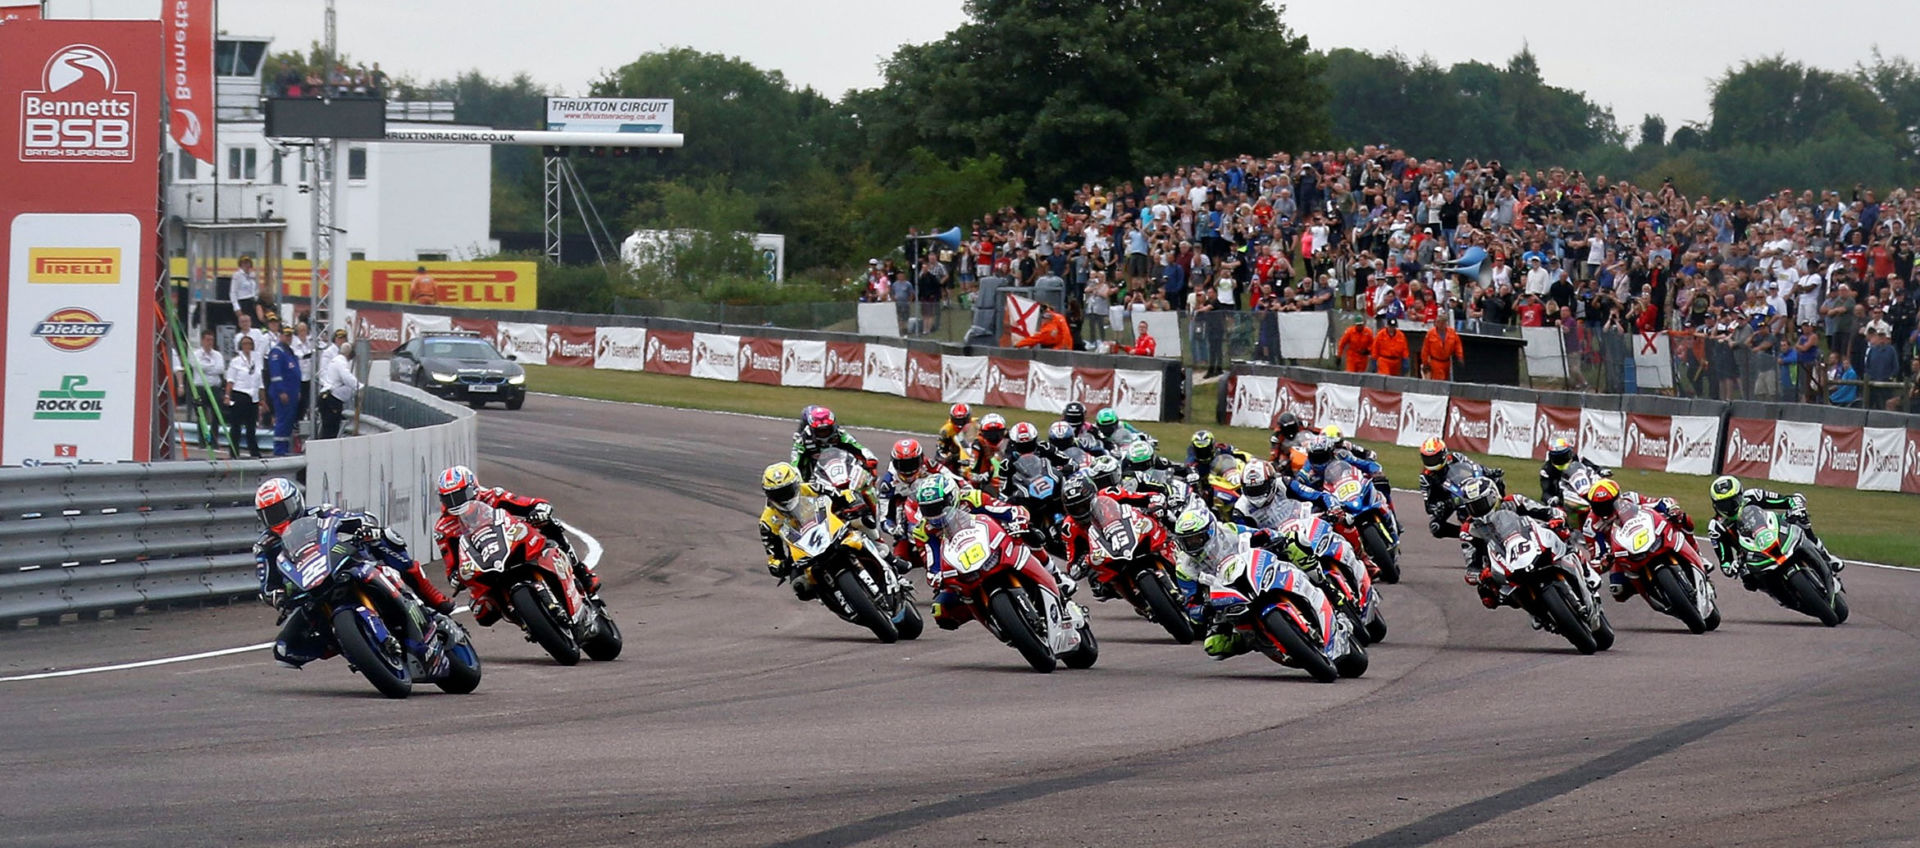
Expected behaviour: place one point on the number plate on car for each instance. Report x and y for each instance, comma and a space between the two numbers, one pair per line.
483, 388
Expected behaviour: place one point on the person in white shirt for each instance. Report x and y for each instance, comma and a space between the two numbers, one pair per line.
1808, 290
337, 387
243, 290
261, 341
1539, 282
303, 348
204, 382
244, 398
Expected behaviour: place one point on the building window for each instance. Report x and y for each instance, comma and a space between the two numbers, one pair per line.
279, 161
241, 162
299, 254
189, 166
356, 163
357, 255
439, 256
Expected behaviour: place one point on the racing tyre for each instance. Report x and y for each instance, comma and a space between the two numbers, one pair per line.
1376, 628
1293, 642
1089, 651
908, 623
1166, 613
1679, 597
1810, 599
606, 644
868, 614
1603, 635
387, 673
1840, 609
1560, 608
1353, 663
1379, 551
463, 668
548, 633
1015, 624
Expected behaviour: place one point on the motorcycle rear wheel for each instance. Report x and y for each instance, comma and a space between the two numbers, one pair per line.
1296, 645
1560, 608
1165, 612
1375, 541
1810, 599
1679, 598
1019, 630
552, 637
367, 657
865, 612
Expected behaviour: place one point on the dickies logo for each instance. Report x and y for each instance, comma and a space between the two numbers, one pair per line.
72, 330
73, 265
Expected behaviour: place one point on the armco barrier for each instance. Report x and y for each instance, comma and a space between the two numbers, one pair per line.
1789, 443
86, 538
1140, 388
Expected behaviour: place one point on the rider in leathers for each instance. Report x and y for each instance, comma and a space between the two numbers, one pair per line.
1205, 545
939, 504
1435, 459
1604, 505
459, 485
1309, 483
1482, 498
819, 431
1729, 497
1561, 457
299, 641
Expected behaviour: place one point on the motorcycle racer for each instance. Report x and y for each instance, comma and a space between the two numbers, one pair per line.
1604, 505
278, 502
1076, 498
1202, 449
787, 495
1113, 432
1307, 484
819, 431
988, 466
1481, 497
956, 433
1561, 457
1075, 414
1286, 436
1729, 497
459, 486
937, 504
1205, 545
1435, 459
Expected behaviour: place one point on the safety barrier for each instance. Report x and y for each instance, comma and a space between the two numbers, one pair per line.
83, 539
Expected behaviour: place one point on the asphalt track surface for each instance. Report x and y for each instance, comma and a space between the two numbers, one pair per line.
740, 716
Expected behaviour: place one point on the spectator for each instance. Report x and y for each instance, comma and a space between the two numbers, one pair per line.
1390, 347
423, 291
205, 386
1841, 388
337, 388
928, 287
1440, 351
243, 290
245, 398
1143, 344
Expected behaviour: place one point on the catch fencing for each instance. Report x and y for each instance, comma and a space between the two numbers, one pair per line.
83, 539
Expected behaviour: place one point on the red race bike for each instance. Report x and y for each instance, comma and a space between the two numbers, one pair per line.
1661, 563
1124, 550
506, 563
1009, 591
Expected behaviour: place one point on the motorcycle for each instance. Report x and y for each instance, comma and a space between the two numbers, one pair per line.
1348, 583
845, 478
1788, 566
1663, 566
983, 568
1358, 505
1121, 551
1033, 485
1275, 605
533, 582
851, 575
359, 606
1536, 572
1573, 493
1223, 481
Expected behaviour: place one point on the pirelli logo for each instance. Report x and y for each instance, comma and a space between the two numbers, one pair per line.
71, 265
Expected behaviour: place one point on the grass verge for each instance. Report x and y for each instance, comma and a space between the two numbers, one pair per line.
1872, 526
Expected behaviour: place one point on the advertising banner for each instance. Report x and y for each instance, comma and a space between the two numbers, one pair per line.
526, 343
413, 324
1336, 406
1137, 394
1469, 424
1048, 387
1796, 451
483, 327
1379, 416
380, 329
469, 285
1882, 450
609, 115
670, 352
716, 357
846, 365
1422, 417
1603, 436
189, 79
1556, 422
1007, 382
1093, 388
1647, 442
1653, 360
886, 370
620, 348
761, 360
21, 12
1749, 450
923, 375
1512, 432
79, 196
1838, 463
802, 363
1297, 398
1910, 466
1693, 442
570, 346
1251, 404
963, 379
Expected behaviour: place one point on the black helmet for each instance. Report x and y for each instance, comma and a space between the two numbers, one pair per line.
1077, 496
1560, 453
1479, 496
1075, 414
1288, 426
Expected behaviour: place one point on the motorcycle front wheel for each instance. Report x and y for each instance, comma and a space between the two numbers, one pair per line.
555, 638
1018, 628
606, 644
1679, 596
1165, 612
865, 612
1808, 597
463, 668
387, 674
1294, 642
1379, 550
1559, 606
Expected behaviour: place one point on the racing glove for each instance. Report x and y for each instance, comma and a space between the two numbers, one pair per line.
540, 514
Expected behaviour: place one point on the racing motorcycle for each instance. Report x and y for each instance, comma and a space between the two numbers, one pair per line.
1345, 578
852, 576
1573, 493
1223, 481
1663, 566
359, 606
533, 582
983, 568
1788, 567
1535, 571
844, 477
1121, 553
1360, 506
1276, 606
1033, 485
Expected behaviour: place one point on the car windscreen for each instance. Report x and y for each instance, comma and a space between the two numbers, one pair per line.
459, 349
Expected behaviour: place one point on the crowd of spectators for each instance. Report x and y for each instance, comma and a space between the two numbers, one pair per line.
1814, 285
343, 81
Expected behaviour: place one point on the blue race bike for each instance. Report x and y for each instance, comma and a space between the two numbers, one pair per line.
1359, 506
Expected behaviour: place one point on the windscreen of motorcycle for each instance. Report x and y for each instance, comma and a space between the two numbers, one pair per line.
810, 537
1112, 532
836, 468
1635, 530
1034, 476
1573, 488
1225, 467
1345, 481
303, 557
1759, 531
1516, 549
968, 550
486, 540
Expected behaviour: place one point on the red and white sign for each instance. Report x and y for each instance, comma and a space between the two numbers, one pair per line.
1250, 405
1379, 419
1653, 361
485, 328
380, 329
1023, 318
1691, 440
413, 326
763, 361
1647, 442
1336, 406
1882, 453
886, 370
25, 12
1048, 387
524, 342
1512, 433
846, 365
570, 346
1422, 417
1093, 388
1603, 436
716, 357
620, 348
1007, 382
802, 363
1796, 451
963, 379
1838, 463
670, 352
79, 110
1557, 422
1910, 473
1296, 397
1749, 450
1469, 424
1138, 395
189, 84
923, 376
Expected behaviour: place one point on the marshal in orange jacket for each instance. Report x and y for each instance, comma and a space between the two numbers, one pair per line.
1356, 344
1053, 333
1390, 350
1440, 350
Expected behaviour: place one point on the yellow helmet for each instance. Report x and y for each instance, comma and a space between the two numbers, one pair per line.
1332, 432
781, 482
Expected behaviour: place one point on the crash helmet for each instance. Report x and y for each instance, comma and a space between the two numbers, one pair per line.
908, 459
1560, 453
1319, 449
1479, 496
820, 423
781, 483
1725, 491
1203, 445
806, 413
1433, 454
1256, 482
458, 488
1105, 472
1076, 496
993, 428
1024, 437
1107, 422
1139, 454
1601, 498
1332, 431
960, 414
936, 498
1193, 529
1060, 435
278, 502
1075, 413
1287, 426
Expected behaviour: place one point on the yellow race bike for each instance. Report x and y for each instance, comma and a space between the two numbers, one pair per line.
849, 574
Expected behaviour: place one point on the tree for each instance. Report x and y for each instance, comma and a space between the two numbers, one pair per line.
1653, 132
1896, 81
1074, 91
1774, 102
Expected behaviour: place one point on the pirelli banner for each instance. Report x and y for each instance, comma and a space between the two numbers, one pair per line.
465, 285
79, 193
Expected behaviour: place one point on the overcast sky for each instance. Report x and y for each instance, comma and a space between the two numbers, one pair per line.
1636, 56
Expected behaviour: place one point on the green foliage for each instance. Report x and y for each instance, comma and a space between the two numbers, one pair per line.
1653, 131
1774, 102
928, 194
